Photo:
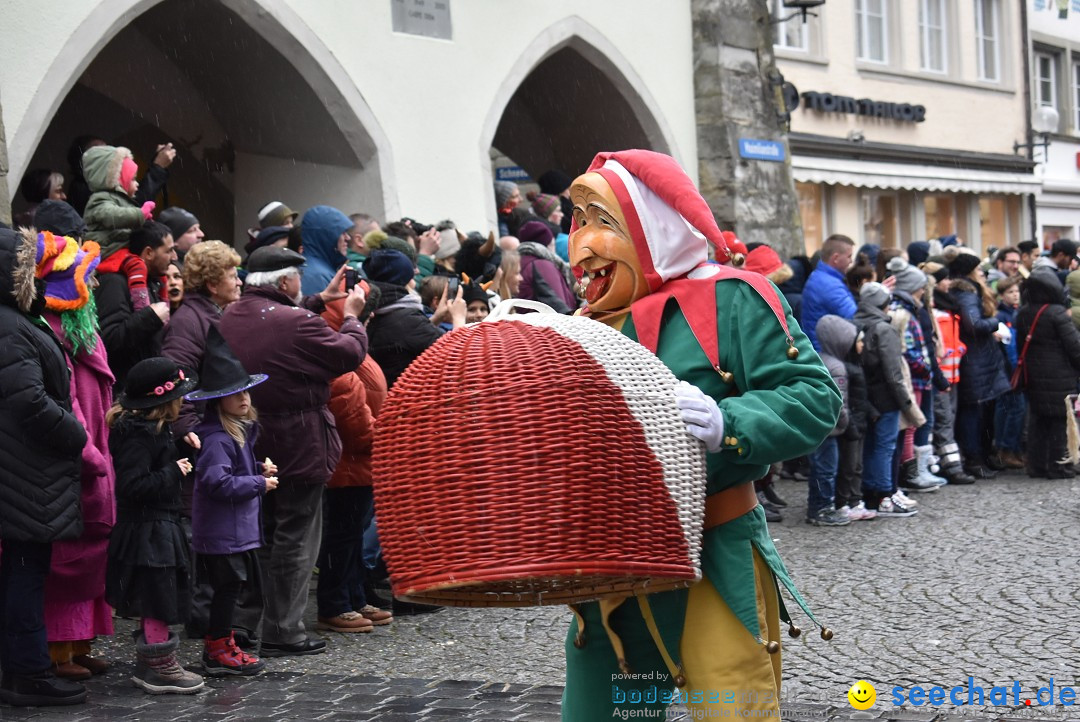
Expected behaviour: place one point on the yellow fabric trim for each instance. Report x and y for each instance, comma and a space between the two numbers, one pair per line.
724, 665
607, 606
650, 622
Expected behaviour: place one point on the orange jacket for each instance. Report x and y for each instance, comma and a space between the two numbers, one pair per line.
949, 323
355, 401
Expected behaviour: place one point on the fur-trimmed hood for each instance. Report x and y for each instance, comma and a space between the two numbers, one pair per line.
101, 167
18, 255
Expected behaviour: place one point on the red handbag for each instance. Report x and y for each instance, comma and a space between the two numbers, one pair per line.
1019, 374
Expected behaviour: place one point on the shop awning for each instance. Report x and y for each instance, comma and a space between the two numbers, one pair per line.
914, 177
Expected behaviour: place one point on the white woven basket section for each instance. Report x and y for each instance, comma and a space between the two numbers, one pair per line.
649, 389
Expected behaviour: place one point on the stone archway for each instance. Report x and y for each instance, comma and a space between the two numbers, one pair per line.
571, 94
258, 107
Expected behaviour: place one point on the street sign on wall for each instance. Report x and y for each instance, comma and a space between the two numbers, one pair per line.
761, 149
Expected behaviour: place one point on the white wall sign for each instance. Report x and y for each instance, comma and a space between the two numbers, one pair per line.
430, 18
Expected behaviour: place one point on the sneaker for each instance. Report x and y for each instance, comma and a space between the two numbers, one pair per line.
904, 499
829, 517
888, 506
859, 512
345, 622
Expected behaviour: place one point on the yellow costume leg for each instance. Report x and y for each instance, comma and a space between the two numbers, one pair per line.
726, 669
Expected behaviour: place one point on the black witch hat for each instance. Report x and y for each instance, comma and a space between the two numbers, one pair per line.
222, 374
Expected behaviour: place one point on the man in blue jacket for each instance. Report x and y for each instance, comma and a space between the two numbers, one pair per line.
826, 291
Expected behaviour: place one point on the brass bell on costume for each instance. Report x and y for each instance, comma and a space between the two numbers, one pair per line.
792, 352
772, 647
793, 631
826, 633
680, 681
726, 376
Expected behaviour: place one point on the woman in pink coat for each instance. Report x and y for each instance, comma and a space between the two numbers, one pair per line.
75, 608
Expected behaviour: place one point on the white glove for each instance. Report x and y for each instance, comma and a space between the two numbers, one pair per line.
702, 416
1003, 333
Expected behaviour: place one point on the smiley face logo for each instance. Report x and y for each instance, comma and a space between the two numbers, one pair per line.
862, 695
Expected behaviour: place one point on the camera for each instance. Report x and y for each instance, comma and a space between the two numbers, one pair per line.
451, 288
352, 277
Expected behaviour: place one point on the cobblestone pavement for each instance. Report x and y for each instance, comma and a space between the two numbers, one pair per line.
982, 583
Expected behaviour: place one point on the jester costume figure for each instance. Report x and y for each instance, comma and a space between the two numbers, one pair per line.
755, 393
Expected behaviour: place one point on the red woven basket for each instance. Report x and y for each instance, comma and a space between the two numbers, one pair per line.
536, 461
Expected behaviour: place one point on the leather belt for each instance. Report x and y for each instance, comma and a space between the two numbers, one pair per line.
729, 504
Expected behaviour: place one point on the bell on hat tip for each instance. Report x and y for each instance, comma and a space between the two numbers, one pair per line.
737, 259
826, 633
792, 352
727, 377
794, 631
772, 647
680, 681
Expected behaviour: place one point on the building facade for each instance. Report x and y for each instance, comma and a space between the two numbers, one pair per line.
390, 107
907, 116
1055, 70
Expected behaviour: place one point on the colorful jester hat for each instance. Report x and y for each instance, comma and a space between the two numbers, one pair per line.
65, 266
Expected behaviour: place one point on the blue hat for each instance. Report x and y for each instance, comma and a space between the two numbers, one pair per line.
918, 252
389, 266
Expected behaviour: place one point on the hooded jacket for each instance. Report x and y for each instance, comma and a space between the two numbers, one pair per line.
322, 226
1053, 357
882, 360
41, 440
837, 336
110, 214
982, 370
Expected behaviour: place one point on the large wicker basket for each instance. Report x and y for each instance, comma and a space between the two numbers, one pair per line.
540, 460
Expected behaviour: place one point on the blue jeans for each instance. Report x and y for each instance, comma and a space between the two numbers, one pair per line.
878, 455
821, 489
1009, 417
24, 646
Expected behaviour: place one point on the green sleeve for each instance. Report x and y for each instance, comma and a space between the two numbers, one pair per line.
785, 407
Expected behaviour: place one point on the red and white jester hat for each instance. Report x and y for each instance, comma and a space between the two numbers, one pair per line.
669, 221
671, 226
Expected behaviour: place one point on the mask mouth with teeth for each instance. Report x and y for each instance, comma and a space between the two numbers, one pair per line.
602, 250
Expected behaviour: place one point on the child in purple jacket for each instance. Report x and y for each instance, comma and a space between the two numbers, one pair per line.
227, 502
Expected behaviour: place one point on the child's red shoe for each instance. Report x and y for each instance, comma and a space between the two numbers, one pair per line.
222, 657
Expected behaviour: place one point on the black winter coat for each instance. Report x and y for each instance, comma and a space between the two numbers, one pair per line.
1053, 358
399, 331
41, 441
129, 336
982, 369
882, 356
859, 411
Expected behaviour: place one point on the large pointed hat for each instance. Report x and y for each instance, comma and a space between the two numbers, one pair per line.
222, 373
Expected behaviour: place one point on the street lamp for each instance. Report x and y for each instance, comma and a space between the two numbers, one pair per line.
800, 7
1044, 121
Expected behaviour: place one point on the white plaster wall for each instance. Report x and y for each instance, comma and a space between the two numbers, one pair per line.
258, 181
962, 113
436, 102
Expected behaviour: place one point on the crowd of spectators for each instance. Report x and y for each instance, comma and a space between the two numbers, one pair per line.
951, 365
